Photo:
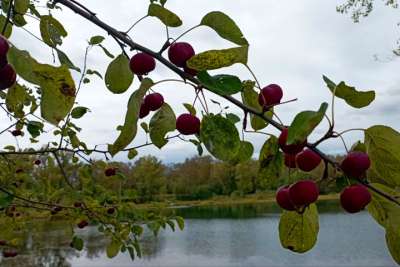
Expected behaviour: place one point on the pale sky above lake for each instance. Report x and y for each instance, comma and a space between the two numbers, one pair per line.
292, 43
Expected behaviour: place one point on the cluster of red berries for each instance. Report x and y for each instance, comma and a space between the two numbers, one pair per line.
355, 198
179, 53
7, 72
7, 252
298, 195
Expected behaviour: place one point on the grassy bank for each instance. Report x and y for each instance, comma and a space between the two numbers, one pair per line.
258, 198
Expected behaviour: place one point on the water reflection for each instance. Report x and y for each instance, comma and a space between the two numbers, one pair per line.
242, 235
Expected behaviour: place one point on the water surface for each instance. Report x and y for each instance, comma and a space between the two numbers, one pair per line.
241, 235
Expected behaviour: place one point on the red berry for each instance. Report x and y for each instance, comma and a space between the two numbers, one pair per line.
9, 253
144, 110
3, 242
16, 132
7, 77
290, 160
356, 164
110, 210
179, 53
283, 198
142, 63
82, 224
188, 124
110, 171
19, 171
190, 71
78, 205
308, 160
37, 162
4, 46
355, 198
154, 101
289, 149
270, 95
303, 192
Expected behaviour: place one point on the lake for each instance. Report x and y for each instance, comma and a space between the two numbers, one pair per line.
240, 235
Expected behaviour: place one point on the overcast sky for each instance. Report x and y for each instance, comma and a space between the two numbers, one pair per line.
293, 43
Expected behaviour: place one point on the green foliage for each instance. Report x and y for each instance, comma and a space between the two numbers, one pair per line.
245, 152
356, 99
16, 99
221, 84
271, 162
220, 137
96, 40
118, 76
113, 248
304, 124
129, 129
79, 112
8, 31
225, 27
216, 59
382, 143
52, 31
161, 123
166, 16
190, 108
56, 84
387, 214
64, 60
77, 243
299, 232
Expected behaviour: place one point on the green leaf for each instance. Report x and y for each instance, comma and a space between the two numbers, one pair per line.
180, 222
356, 99
113, 249
383, 148
304, 124
95, 72
299, 232
190, 108
220, 137
21, 6
233, 118
106, 51
77, 243
118, 76
270, 162
78, 112
385, 212
8, 31
359, 146
5, 200
132, 153
95, 40
167, 17
220, 84
225, 27
216, 59
393, 242
250, 98
15, 100
129, 129
245, 152
51, 31
64, 60
19, 20
145, 127
35, 128
56, 84
161, 123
